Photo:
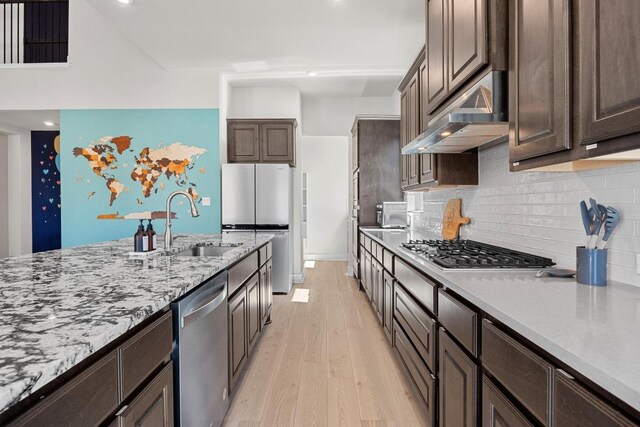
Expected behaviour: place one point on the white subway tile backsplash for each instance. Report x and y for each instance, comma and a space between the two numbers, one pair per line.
538, 211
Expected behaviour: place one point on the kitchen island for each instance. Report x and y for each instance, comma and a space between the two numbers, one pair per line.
59, 308
568, 329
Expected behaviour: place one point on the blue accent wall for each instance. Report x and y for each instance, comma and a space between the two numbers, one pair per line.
104, 176
45, 191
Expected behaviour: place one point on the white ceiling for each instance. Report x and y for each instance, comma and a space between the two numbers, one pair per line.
328, 86
358, 36
30, 119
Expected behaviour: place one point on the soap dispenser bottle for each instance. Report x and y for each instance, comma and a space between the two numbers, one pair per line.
151, 234
141, 240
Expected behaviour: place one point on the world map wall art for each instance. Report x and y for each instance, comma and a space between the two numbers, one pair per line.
116, 168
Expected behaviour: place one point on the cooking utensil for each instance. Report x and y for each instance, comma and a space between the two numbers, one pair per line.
453, 219
586, 220
613, 218
597, 221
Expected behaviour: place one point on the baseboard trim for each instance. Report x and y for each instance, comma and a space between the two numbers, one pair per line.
299, 278
326, 257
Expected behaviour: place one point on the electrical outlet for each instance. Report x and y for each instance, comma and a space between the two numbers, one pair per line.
206, 201
638, 263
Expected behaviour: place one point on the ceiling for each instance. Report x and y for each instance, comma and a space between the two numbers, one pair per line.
354, 36
30, 119
328, 86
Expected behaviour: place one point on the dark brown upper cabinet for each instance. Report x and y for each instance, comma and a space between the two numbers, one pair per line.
466, 40
261, 141
574, 97
540, 76
435, 85
463, 39
413, 126
404, 139
607, 70
243, 142
427, 171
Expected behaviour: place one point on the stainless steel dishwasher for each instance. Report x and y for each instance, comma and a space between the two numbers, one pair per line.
200, 352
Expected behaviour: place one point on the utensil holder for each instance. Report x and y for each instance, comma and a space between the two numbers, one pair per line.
591, 266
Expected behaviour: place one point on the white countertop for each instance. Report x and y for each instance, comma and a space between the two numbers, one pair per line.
594, 330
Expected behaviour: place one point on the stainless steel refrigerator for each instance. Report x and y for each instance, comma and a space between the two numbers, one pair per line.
258, 198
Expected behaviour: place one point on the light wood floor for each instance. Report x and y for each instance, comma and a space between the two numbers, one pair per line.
325, 363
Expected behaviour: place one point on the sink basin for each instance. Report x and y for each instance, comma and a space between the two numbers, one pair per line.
212, 251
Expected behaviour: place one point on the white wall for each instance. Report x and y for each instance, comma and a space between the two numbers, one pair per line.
538, 211
326, 161
330, 116
105, 70
276, 102
18, 182
4, 196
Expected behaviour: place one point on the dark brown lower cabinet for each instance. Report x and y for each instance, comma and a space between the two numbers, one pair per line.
238, 350
87, 399
524, 374
270, 286
379, 291
388, 306
497, 411
417, 324
423, 379
458, 383
573, 405
253, 311
153, 407
264, 301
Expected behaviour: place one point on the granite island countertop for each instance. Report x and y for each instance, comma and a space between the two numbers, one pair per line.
594, 330
59, 307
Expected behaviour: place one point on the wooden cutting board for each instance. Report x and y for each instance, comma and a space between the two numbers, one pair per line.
453, 219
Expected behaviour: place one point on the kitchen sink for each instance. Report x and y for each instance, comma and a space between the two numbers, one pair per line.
202, 250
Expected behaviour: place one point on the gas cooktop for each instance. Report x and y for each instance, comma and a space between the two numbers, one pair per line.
469, 254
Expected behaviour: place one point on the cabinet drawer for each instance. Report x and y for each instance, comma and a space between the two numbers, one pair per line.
525, 375
417, 324
367, 243
153, 407
418, 371
86, 400
497, 411
418, 285
379, 253
262, 254
573, 405
459, 320
387, 260
146, 351
240, 272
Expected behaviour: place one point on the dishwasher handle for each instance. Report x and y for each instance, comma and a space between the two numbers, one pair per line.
205, 309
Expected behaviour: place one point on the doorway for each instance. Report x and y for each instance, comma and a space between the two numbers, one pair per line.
325, 160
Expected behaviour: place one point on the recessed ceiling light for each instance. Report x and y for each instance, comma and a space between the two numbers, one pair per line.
48, 123
125, 1
311, 73
421, 148
445, 133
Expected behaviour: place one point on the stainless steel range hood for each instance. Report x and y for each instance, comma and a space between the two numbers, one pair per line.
477, 117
